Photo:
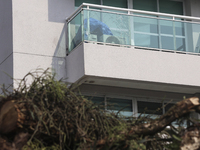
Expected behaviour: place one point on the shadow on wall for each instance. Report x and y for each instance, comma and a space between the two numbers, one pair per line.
58, 62
59, 10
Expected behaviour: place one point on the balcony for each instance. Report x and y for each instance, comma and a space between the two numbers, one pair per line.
133, 48
133, 28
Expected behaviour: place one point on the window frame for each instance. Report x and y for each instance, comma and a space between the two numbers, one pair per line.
135, 100
130, 4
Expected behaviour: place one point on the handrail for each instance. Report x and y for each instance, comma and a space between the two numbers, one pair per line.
74, 13
131, 10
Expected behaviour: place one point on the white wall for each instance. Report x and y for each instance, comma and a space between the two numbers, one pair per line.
35, 32
6, 46
38, 25
192, 8
195, 8
39, 35
134, 68
75, 65
142, 65
27, 62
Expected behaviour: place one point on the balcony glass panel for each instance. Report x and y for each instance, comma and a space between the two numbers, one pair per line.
144, 24
180, 44
166, 27
75, 32
179, 28
167, 42
145, 40
106, 27
131, 29
193, 37
145, 32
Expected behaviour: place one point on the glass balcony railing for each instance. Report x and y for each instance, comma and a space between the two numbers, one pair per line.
126, 27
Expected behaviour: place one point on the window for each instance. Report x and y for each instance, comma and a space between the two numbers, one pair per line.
155, 32
148, 5
149, 108
137, 106
116, 3
152, 107
79, 2
125, 106
97, 100
164, 6
132, 106
171, 7
159, 33
122, 105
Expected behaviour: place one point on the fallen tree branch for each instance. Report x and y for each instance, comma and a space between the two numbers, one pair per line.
177, 111
47, 110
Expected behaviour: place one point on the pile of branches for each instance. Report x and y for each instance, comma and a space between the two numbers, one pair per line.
47, 115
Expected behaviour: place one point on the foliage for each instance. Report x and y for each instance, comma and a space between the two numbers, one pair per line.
56, 118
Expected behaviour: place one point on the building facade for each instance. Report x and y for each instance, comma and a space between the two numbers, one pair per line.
137, 53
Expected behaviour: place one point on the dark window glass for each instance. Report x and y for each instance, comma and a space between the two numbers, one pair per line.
168, 106
96, 100
118, 104
122, 105
148, 5
171, 7
150, 108
165, 6
116, 3
79, 2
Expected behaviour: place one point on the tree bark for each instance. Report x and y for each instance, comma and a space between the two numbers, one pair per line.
177, 111
180, 109
19, 141
11, 116
8, 117
191, 138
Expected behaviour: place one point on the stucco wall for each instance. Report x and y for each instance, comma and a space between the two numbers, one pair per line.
39, 35
192, 8
75, 65
27, 62
142, 65
133, 68
195, 11
6, 46
38, 25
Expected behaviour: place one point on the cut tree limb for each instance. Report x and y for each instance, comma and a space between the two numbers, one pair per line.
180, 109
191, 138
20, 140
8, 117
